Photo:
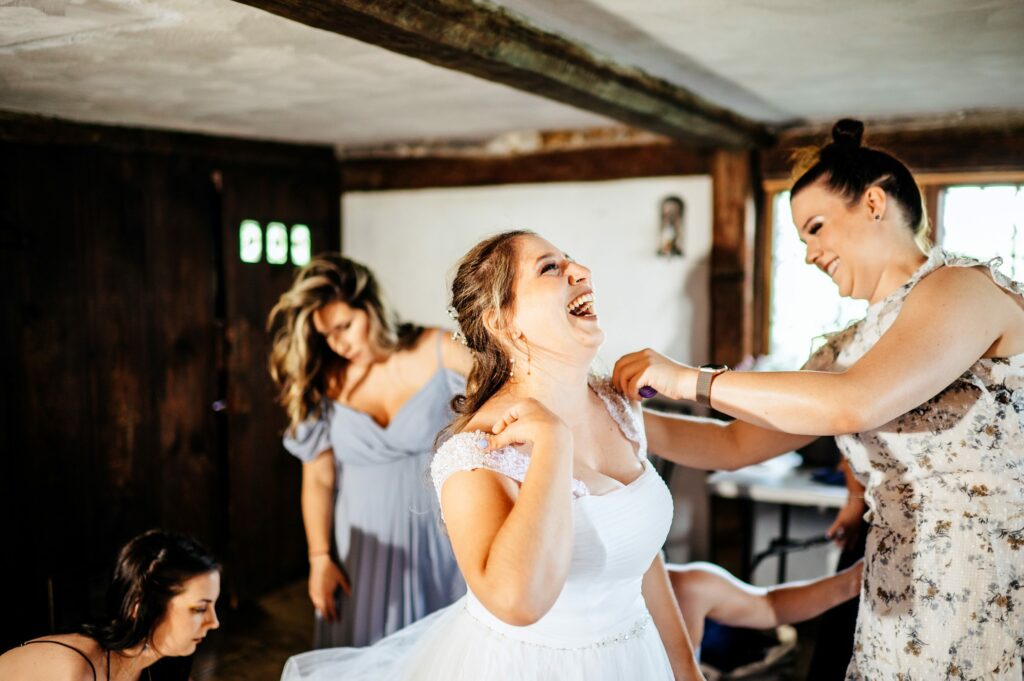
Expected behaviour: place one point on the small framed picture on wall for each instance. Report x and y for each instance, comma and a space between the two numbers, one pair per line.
671, 226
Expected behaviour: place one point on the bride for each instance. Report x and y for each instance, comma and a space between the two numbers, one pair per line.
555, 515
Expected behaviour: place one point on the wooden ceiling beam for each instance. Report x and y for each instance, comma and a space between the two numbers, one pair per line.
986, 145
578, 165
490, 42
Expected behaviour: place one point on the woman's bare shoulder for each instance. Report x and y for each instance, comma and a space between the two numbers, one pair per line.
50, 660
488, 414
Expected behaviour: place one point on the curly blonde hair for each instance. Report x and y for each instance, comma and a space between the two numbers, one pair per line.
301, 364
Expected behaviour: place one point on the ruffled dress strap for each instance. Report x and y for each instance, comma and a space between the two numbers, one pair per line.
311, 437
622, 412
455, 382
992, 265
462, 452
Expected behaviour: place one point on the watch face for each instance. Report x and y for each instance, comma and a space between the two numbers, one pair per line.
713, 367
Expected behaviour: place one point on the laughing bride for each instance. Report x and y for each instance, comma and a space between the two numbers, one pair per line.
555, 514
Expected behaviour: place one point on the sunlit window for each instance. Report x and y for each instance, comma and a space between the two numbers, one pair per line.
985, 222
250, 241
277, 243
805, 302
301, 245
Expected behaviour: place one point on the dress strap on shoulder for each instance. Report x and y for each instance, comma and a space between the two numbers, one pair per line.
461, 452
992, 265
621, 412
440, 349
71, 647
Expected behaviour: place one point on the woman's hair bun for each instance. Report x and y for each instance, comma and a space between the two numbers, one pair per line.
847, 133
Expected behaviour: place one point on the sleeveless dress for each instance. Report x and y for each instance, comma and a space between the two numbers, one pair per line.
599, 628
943, 592
387, 530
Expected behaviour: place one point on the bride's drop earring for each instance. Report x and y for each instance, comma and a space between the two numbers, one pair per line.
511, 367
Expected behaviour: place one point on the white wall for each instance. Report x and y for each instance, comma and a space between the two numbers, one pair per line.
412, 240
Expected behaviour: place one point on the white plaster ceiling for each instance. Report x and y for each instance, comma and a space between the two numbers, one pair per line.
813, 59
225, 68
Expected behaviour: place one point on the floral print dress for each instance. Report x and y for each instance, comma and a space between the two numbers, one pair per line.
943, 592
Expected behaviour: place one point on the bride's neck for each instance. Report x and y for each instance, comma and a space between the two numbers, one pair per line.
562, 389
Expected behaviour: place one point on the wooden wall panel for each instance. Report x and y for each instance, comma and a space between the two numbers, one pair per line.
174, 203
83, 365
112, 260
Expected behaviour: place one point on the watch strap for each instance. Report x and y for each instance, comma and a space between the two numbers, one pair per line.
705, 376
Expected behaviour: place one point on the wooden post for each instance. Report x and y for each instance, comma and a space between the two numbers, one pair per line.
732, 262
933, 208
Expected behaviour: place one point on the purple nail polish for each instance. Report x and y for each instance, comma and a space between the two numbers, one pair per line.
647, 391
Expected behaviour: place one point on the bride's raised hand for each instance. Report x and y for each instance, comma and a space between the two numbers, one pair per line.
650, 368
529, 422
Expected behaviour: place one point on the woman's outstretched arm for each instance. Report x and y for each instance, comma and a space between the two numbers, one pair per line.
711, 444
950, 320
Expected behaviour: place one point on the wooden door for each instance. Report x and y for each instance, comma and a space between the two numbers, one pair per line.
267, 545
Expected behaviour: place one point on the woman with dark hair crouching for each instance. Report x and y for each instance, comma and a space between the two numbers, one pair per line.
160, 606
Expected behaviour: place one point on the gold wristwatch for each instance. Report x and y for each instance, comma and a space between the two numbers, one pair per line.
706, 374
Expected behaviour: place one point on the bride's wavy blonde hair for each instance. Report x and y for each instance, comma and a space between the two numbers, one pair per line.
301, 362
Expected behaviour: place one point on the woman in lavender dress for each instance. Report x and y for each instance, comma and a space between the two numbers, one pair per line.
365, 396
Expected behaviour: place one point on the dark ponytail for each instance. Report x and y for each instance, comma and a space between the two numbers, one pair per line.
849, 169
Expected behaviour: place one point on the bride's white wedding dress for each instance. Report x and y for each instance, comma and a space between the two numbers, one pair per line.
598, 629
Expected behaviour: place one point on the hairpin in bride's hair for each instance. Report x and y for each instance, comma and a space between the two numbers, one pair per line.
457, 333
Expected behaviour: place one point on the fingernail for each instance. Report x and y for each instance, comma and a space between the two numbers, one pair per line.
482, 443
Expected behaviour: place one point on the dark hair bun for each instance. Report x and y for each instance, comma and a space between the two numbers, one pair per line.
847, 133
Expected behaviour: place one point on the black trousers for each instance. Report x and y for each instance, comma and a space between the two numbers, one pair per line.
836, 627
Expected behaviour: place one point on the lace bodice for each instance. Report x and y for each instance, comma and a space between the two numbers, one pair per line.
467, 451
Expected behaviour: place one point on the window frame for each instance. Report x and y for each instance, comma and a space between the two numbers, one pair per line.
932, 185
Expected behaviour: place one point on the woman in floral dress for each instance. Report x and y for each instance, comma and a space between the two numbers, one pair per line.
925, 396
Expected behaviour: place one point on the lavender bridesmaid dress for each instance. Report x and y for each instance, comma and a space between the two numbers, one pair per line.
388, 535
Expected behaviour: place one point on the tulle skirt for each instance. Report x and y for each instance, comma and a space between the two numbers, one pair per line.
453, 645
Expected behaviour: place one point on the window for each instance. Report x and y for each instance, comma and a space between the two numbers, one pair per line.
984, 222
280, 243
805, 304
980, 221
250, 241
277, 243
301, 244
